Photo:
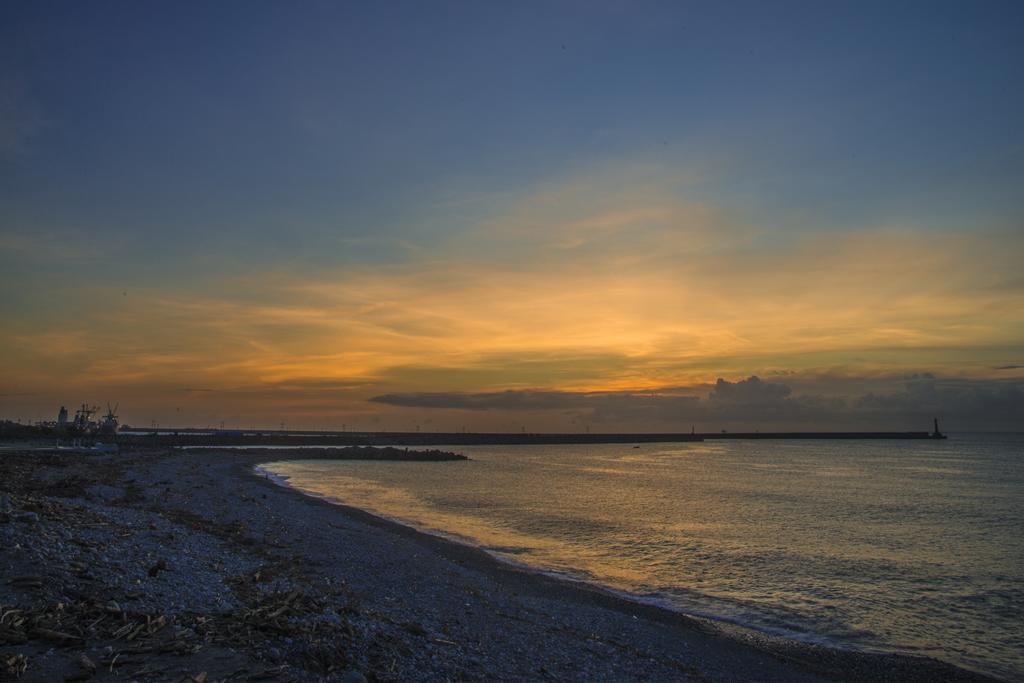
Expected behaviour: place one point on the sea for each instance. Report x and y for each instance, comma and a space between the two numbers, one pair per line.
883, 546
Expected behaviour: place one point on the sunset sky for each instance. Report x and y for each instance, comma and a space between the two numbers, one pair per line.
497, 216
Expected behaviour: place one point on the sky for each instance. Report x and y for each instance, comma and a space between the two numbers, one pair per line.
550, 216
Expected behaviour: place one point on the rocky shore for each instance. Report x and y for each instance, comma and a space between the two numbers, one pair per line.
387, 453
189, 566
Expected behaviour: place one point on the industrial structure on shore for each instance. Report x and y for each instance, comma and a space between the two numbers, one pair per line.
83, 423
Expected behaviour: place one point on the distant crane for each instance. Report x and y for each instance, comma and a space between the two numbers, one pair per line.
83, 416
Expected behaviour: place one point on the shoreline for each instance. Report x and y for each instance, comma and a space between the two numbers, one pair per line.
737, 627
538, 572
782, 646
216, 568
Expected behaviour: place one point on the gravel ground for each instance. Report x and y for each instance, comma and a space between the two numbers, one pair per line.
174, 566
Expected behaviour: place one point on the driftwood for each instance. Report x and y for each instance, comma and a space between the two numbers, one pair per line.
12, 665
262, 615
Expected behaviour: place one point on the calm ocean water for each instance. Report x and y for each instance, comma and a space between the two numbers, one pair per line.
914, 546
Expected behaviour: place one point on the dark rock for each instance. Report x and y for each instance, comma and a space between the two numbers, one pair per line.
26, 517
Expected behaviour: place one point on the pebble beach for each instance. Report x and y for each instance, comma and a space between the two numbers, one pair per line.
166, 565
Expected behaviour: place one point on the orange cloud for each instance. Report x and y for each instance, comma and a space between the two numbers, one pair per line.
584, 287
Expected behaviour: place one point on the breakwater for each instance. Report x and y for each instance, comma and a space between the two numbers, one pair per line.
187, 437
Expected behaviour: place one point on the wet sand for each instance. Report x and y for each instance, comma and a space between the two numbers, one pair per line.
231, 574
